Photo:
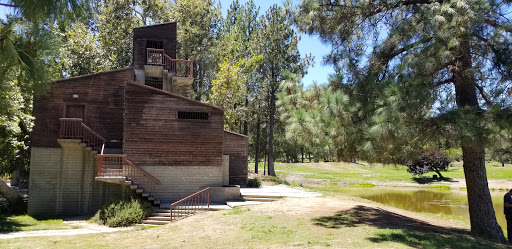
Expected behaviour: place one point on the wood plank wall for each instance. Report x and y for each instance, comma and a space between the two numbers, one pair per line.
103, 100
154, 136
236, 146
166, 32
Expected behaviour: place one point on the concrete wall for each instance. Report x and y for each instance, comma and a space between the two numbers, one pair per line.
62, 182
181, 181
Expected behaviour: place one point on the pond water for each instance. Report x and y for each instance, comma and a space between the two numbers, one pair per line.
431, 201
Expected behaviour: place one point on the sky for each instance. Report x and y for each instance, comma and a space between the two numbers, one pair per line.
319, 73
307, 45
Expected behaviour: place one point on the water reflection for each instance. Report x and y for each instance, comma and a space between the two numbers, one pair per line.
451, 202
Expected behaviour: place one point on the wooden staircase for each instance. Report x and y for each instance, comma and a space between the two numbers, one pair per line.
116, 168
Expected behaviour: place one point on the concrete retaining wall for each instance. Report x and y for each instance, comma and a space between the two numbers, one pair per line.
62, 182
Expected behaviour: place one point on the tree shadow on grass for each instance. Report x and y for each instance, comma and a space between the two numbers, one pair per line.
402, 229
427, 180
8, 225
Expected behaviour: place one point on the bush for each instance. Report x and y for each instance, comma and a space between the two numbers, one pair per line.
123, 213
433, 160
454, 154
254, 183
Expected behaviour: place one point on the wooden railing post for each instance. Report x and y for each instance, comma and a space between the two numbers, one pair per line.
170, 64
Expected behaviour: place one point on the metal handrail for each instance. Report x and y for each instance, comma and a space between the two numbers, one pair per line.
158, 57
118, 166
190, 204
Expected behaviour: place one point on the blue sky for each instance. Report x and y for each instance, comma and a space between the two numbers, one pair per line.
307, 45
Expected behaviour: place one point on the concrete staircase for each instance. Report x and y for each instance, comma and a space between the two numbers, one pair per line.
140, 192
162, 215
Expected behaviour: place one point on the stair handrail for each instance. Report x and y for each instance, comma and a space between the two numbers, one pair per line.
146, 174
167, 62
74, 128
118, 166
194, 202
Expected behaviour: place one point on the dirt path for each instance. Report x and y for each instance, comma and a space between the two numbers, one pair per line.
86, 228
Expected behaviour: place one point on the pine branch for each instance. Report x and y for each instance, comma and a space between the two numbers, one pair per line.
8, 5
484, 95
495, 24
382, 7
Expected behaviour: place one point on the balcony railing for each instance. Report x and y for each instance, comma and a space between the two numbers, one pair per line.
73, 128
180, 68
117, 166
190, 204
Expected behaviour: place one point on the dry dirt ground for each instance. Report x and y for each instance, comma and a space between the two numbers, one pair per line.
316, 222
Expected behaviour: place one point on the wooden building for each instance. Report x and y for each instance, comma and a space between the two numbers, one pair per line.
92, 133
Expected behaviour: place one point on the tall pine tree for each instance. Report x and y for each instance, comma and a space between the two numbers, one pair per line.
442, 65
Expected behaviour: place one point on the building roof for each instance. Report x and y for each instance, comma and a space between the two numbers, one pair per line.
164, 23
234, 133
173, 94
93, 74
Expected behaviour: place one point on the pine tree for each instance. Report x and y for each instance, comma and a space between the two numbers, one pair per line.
276, 42
434, 64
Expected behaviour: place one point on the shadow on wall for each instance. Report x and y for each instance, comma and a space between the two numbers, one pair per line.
402, 229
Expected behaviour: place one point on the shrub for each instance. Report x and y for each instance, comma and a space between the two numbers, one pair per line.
433, 160
123, 213
254, 183
454, 154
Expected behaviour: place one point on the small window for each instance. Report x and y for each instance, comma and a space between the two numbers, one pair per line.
155, 44
193, 115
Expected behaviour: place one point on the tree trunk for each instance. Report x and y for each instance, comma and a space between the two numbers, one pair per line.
481, 212
265, 164
257, 145
302, 154
439, 173
272, 106
10, 194
246, 127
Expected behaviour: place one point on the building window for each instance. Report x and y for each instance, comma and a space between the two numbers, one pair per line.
155, 44
193, 115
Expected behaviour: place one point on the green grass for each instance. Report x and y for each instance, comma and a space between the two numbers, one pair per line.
348, 172
26, 223
416, 239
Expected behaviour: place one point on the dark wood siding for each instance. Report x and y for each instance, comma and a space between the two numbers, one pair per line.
154, 136
100, 94
165, 33
236, 146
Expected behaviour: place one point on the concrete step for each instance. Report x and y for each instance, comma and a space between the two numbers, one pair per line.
262, 196
159, 218
145, 194
155, 222
139, 191
262, 199
161, 214
174, 212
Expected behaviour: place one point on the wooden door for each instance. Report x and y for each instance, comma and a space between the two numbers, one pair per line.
75, 111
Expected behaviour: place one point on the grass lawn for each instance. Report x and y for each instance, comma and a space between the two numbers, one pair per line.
363, 173
16, 223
